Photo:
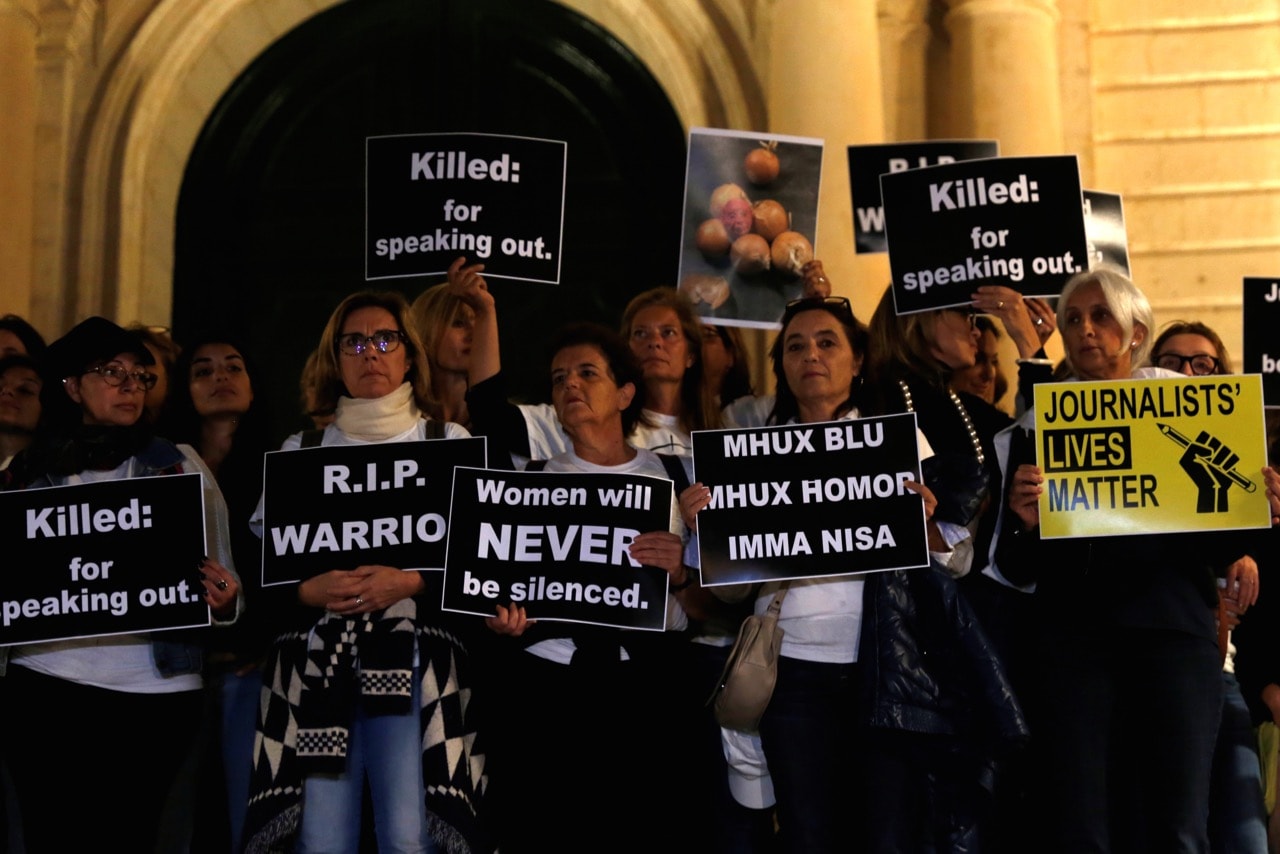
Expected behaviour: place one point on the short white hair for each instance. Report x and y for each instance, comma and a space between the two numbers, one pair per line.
1128, 304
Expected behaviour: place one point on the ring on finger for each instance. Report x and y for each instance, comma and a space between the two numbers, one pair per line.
1000, 305
221, 584
359, 601
1039, 321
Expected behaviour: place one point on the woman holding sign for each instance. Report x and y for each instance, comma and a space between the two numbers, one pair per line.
590, 708
1130, 673
338, 714
82, 712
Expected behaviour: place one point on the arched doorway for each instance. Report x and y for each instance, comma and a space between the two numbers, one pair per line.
270, 219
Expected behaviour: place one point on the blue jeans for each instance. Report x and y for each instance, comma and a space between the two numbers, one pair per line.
388, 750
1237, 815
238, 698
810, 733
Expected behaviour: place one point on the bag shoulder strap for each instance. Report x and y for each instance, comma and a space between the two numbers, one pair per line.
775, 607
435, 429
675, 471
535, 465
311, 438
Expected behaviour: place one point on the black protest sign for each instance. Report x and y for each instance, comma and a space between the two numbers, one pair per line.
1104, 226
433, 197
1261, 307
1013, 221
868, 162
108, 558
809, 500
343, 506
556, 544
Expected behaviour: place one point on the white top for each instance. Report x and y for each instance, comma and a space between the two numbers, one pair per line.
124, 662
645, 462
547, 438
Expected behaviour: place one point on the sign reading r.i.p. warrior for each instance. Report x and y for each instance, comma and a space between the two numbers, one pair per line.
556, 544
1013, 221
1261, 308
431, 198
809, 500
1151, 456
343, 506
108, 558
868, 162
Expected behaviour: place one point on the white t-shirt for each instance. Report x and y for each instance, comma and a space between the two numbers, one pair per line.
645, 462
548, 439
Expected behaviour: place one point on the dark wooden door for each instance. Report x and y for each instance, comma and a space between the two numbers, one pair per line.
270, 223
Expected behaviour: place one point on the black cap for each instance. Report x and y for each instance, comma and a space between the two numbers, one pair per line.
93, 340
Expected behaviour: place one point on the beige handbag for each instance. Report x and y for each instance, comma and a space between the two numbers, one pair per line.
746, 684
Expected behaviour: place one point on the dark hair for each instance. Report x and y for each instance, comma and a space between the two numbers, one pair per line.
329, 386
698, 410
901, 345
32, 340
182, 423
737, 380
785, 406
617, 355
1192, 327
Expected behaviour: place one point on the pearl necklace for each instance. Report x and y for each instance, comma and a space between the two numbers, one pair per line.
964, 416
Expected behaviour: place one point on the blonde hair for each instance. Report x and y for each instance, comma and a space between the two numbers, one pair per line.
432, 313
328, 375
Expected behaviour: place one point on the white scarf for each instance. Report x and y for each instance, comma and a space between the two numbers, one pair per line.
378, 419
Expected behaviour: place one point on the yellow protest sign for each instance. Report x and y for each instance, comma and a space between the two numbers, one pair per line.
1151, 456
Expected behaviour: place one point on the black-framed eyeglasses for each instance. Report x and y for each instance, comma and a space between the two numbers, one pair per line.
839, 306
384, 341
1201, 365
116, 376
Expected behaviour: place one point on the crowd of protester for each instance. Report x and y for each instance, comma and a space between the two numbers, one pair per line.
1017, 694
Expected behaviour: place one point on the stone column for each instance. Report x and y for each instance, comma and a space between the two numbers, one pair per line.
824, 80
904, 44
1004, 73
19, 27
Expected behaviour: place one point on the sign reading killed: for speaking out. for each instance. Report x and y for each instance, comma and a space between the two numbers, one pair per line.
1261, 309
809, 500
1012, 221
343, 506
495, 199
108, 558
1151, 456
557, 544
868, 162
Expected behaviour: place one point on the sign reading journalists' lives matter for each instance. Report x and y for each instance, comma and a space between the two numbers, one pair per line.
435, 196
1151, 456
107, 558
343, 506
556, 544
1013, 221
809, 500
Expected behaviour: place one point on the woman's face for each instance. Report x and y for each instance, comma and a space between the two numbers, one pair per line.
1093, 337
19, 400
818, 361
156, 395
717, 358
658, 342
372, 374
453, 353
109, 405
219, 382
953, 340
11, 344
583, 389
980, 380
1184, 352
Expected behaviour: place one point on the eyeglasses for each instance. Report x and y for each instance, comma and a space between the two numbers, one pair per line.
838, 306
1201, 365
384, 341
116, 376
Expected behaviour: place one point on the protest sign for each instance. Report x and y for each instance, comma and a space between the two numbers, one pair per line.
556, 544
343, 506
868, 162
107, 558
432, 197
1261, 309
1104, 227
1012, 221
750, 220
809, 500
1151, 456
